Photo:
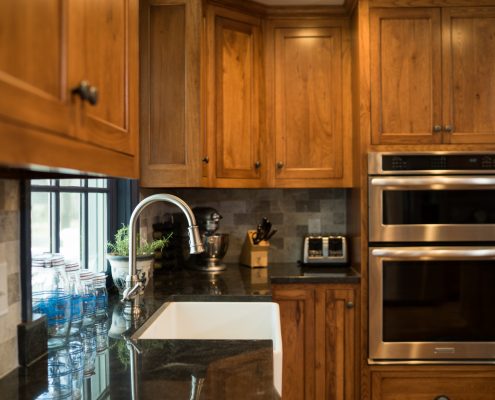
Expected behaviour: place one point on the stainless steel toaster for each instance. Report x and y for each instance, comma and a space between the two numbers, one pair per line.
325, 249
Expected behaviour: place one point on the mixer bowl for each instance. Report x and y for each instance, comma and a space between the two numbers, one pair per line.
216, 246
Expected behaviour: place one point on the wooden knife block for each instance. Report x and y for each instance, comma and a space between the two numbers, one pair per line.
254, 255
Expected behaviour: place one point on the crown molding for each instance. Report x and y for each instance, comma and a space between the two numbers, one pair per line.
261, 10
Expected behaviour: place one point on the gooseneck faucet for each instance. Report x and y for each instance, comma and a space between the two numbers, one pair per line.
135, 285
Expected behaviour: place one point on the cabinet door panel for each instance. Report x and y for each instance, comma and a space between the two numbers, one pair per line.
297, 318
428, 386
170, 118
469, 78
308, 103
405, 75
339, 344
237, 96
32, 64
103, 51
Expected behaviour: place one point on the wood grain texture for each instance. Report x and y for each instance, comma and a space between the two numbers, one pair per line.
167, 83
171, 112
33, 73
308, 115
308, 93
430, 3
43, 51
32, 149
340, 363
317, 323
103, 50
405, 75
429, 384
234, 99
297, 318
469, 78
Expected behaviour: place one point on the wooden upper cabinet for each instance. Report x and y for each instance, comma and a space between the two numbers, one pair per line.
406, 76
431, 80
103, 51
233, 106
170, 75
46, 49
469, 76
33, 71
308, 84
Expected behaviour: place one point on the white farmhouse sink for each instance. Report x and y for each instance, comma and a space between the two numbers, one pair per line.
219, 320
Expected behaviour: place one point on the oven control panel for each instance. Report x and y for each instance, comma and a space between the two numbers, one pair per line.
431, 163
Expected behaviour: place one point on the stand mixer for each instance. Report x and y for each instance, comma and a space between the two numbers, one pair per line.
215, 244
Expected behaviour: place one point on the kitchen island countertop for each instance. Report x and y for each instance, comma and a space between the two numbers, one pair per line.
175, 369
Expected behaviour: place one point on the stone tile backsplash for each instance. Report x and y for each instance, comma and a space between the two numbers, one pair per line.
10, 309
293, 212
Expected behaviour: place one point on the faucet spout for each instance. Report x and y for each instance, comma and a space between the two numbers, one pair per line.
195, 243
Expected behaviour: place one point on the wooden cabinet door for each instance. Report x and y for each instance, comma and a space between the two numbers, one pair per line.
170, 133
297, 318
103, 50
469, 76
310, 92
33, 72
234, 98
339, 345
411, 385
406, 76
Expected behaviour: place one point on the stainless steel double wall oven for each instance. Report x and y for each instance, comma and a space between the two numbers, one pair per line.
431, 257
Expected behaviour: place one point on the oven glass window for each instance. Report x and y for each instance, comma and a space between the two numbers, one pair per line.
405, 207
435, 301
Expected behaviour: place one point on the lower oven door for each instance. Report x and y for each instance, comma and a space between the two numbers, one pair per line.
432, 303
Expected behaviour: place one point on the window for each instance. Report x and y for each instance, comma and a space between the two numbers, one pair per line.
71, 217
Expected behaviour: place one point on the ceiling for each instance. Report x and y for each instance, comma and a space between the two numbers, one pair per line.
301, 2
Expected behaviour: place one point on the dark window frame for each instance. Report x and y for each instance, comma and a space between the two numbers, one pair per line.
122, 197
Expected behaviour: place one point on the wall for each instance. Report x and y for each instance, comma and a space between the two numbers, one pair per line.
293, 212
9, 274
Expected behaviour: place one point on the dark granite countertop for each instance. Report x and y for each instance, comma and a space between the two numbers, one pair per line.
175, 369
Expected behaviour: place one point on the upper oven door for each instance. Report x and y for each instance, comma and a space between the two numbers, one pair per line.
431, 208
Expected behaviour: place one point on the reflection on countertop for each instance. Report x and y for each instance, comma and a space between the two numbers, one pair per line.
177, 369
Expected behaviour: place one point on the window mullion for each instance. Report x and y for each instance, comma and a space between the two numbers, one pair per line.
55, 222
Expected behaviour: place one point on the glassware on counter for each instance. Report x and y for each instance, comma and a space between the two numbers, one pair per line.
51, 296
76, 289
88, 298
100, 280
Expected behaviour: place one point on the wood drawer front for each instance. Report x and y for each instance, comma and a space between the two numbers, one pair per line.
452, 387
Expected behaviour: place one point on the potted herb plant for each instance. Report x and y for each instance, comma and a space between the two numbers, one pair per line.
118, 255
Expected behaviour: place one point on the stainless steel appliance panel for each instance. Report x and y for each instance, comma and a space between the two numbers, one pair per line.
432, 303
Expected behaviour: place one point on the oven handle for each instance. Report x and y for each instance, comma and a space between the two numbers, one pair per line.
433, 181
421, 252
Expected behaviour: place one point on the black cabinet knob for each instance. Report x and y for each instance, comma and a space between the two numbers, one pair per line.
206, 160
257, 165
86, 92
